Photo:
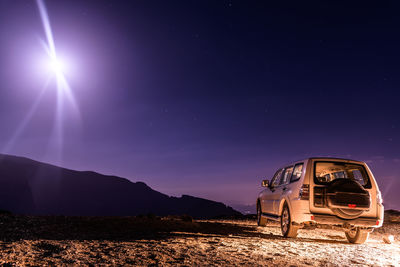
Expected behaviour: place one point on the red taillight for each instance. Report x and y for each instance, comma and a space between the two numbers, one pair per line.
312, 218
304, 192
352, 206
377, 222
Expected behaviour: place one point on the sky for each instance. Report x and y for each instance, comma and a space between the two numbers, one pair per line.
204, 98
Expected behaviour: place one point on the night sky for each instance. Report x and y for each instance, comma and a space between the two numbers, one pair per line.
205, 97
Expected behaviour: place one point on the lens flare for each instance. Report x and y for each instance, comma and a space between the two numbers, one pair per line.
56, 69
56, 66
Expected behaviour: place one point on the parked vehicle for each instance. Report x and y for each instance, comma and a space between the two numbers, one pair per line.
331, 191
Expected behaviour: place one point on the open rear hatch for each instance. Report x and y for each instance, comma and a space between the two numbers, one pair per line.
340, 189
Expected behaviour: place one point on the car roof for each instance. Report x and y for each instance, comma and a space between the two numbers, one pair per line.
319, 158
328, 158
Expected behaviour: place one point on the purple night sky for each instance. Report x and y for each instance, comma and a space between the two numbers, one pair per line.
204, 97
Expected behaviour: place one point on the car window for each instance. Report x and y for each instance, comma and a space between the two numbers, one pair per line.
338, 175
325, 172
298, 169
277, 178
357, 175
286, 175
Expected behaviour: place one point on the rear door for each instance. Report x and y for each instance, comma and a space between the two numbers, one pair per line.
325, 171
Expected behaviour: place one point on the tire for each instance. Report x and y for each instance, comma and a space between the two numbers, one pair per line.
357, 235
347, 214
260, 220
342, 192
288, 229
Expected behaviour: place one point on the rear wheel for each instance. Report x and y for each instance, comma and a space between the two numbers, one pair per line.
260, 220
288, 229
357, 235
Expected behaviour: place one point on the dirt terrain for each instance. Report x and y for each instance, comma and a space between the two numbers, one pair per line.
180, 241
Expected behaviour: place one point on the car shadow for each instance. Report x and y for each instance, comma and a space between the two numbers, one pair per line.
227, 230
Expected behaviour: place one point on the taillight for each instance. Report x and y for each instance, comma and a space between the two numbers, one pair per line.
304, 192
379, 199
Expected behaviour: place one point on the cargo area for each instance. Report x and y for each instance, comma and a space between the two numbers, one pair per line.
342, 188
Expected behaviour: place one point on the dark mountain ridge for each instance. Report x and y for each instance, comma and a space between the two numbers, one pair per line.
36, 188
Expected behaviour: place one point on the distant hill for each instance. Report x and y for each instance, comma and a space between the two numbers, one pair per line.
246, 209
31, 187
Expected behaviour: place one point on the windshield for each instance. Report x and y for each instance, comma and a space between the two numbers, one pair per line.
325, 172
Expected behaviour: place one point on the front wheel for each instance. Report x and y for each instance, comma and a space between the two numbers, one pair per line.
260, 220
357, 235
288, 229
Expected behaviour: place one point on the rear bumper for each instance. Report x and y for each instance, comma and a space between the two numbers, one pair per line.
362, 221
300, 213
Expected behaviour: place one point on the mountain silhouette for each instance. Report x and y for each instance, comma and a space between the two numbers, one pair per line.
35, 188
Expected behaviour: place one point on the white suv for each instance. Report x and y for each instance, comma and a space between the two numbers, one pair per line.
330, 191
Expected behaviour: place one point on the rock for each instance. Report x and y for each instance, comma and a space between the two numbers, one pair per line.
394, 218
388, 239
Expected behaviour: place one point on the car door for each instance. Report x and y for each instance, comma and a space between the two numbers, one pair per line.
269, 194
281, 189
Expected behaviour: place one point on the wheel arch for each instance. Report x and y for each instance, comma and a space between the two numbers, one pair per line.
282, 203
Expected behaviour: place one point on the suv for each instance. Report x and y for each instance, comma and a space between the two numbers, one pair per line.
331, 191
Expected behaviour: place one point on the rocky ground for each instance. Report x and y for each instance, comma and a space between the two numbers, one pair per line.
178, 241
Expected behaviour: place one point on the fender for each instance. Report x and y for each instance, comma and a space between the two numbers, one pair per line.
283, 200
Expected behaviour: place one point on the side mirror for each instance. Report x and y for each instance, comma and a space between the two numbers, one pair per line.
265, 183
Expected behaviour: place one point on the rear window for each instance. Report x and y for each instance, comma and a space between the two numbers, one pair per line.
325, 172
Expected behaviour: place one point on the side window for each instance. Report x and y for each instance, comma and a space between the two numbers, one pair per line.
327, 178
277, 178
286, 175
358, 177
338, 175
298, 169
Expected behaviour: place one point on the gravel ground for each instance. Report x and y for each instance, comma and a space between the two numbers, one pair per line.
124, 241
